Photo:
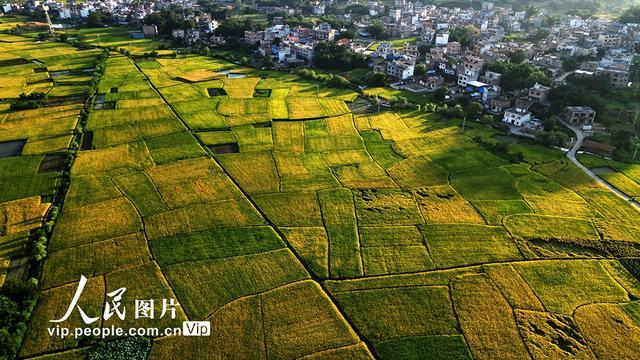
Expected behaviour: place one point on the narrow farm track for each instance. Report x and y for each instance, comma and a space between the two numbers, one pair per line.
269, 222
571, 155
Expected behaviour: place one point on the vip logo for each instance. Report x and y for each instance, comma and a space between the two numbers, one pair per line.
196, 328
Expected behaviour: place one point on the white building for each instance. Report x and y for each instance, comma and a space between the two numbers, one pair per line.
395, 14
516, 116
442, 39
64, 14
400, 70
467, 76
304, 51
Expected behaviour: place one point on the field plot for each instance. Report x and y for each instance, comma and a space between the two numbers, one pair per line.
454, 245
583, 281
486, 319
259, 202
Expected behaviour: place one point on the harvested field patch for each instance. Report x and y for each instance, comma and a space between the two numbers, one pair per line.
11, 148
441, 204
226, 148
392, 207
552, 336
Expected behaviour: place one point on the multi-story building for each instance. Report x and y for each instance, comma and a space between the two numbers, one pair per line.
304, 51
516, 116
580, 115
400, 69
466, 76
539, 92
323, 32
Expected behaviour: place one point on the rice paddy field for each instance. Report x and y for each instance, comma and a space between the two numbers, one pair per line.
260, 203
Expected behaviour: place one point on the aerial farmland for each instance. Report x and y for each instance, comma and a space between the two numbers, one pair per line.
263, 202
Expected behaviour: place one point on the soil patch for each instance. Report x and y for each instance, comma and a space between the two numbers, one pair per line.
230, 148
87, 141
51, 163
11, 148
216, 92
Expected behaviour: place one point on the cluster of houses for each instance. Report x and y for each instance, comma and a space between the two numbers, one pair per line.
450, 62
291, 45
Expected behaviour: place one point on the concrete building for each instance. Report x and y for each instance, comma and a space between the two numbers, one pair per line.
303, 51
580, 115
516, 116
399, 69
539, 92
442, 39
323, 32
149, 30
467, 76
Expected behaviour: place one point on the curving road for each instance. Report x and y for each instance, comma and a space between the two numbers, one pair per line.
571, 154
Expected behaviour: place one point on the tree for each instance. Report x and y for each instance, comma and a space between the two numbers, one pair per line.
464, 35
517, 57
552, 138
330, 55
377, 79
171, 18
420, 69
631, 15
99, 18
531, 11
519, 76
348, 34
378, 31
570, 64
236, 27
474, 110
267, 61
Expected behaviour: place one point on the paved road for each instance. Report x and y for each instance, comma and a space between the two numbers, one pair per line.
563, 77
571, 154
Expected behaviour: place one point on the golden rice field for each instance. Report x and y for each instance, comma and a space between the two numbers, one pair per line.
300, 229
